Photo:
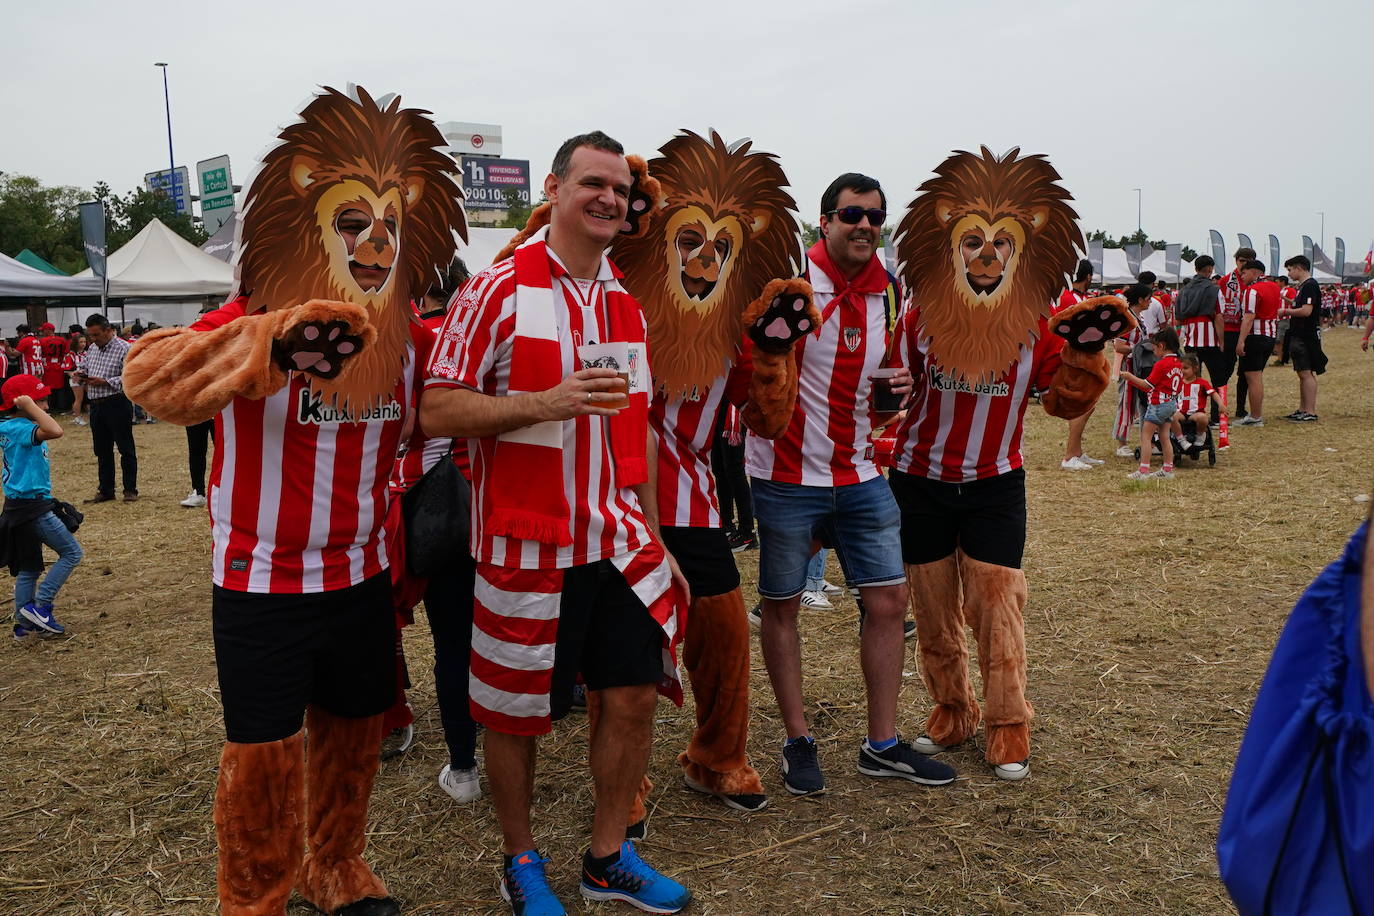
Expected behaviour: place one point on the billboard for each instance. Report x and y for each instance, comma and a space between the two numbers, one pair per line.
486, 182
176, 185
216, 192
467, 138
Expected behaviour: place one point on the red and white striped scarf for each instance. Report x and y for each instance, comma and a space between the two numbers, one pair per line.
526, 493
515, 631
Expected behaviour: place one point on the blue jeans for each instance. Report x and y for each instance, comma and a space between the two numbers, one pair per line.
815, 573
859, 520
52, 532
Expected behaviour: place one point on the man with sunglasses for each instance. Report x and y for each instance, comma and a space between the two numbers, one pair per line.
818, 482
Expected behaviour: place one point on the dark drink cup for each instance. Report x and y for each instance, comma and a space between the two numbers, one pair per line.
885, 400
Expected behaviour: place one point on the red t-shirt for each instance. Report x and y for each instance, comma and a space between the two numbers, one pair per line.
1194, 395
54, 350
1166, 380
1263, 300
30, 355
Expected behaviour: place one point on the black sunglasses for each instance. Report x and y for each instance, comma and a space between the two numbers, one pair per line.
852, 215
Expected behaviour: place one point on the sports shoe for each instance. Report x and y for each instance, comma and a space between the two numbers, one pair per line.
1138, 474
1295, 415
756, 615
131, 496
631, 879
194, 501
830, 588
747, 803
801, 771
41, 616
1124, 452
816, 601
904, 762
1011, 771
1162, 474
579, 698
638, 830
1250, 421
397, 741
25, 632
463, 786
924, 744
526, 888
1073, 464
1091, 461
741, 540
908, 629
1308, 418
79, 421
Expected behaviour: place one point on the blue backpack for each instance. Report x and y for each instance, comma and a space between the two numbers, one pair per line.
1297, 835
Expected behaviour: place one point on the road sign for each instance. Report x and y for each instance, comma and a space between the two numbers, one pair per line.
176, 185
216, 192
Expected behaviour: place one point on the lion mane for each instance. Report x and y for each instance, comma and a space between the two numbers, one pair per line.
738, 200
980, 305
349, 151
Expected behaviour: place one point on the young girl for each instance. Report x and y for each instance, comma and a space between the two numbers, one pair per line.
1193, 396
75, 365
27, 516
1163, 386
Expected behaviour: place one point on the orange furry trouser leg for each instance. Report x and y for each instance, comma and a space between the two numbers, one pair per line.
638, 811
938, 606
340, 766
717, 658
258, 805
994, 600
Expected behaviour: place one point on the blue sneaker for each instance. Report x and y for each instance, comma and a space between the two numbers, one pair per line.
630, 879
526, 889
25, 632
41, 616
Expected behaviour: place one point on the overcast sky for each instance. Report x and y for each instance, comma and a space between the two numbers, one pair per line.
1241, 116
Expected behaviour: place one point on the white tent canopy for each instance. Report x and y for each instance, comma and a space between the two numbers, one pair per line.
159, 264
22, 281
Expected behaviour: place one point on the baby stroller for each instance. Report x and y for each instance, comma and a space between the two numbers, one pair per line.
1184, 448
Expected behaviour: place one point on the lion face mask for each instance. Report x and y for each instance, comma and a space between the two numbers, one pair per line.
984, 250
725, 228
359, 203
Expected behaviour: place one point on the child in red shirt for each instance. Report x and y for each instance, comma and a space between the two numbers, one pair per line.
1164, 384
1193, 395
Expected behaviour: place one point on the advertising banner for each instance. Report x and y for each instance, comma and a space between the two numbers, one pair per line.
92, 214
1095, 255
1173, 259
486, 182
1275, 258
1340, 256
1245, 241
1218, 249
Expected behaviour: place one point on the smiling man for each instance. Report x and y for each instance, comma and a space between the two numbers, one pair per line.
572, 577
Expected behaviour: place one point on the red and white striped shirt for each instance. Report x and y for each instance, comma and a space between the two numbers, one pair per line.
958, 432
420, 453
1200, 332
31, 356
827, 443
1069, 297
683, 429
298, 490
1232, 291
1263, 300
1192, 397
474, 351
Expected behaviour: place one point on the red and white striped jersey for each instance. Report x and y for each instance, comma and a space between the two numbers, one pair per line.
958, 432
1199, 332
474, 351
1262, 300
420, 453
1068, 297
298, 490
1192, 397
1231, 295
827, 443
683, 429
30, 356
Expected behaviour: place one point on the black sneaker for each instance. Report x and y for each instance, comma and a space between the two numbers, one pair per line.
1295, 415
638, 830
1307, 418
801, 771
756, 615
741, 540
903, 761
748, 803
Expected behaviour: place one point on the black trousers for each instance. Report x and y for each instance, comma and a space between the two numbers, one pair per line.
197, 447
112, 426
1219, 369
448, 602
732, 483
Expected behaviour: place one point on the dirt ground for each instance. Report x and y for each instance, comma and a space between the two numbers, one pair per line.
1152, 613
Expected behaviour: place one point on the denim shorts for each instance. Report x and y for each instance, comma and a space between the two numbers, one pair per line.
1159, 414
860, 521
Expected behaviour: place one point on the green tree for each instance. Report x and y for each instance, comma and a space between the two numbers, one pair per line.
43, 219
810, 234
126, 217
517, 214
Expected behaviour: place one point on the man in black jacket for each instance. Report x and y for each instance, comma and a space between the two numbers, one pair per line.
1198, 309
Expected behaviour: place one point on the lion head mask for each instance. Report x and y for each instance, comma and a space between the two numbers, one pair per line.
983, 249
726, 226
357, 202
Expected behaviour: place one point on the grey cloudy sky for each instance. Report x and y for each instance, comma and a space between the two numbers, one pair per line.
1241, 116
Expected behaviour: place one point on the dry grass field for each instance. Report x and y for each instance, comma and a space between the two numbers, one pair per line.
1153, 610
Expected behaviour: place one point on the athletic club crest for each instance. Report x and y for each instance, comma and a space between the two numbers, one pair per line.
853, 337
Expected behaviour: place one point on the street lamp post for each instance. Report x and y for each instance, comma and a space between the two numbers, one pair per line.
171, 159
1138, 197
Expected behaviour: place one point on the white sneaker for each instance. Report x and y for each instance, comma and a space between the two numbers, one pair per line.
924, 744
1162, 474
1138, 474
1073, 464
830, 588
1250, 421
194, 501
1125, 452
1092, 461
79, 421
1012, 771
816, 601
463, 786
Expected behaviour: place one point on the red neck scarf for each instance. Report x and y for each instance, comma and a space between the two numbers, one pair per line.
872, 279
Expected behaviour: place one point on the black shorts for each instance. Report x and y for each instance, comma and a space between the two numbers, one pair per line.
1305, 353
1258, 349
605, 634
705, 558
278, 653
986, 519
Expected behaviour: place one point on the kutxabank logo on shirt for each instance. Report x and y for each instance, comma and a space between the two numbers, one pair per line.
942, 382
310, 408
